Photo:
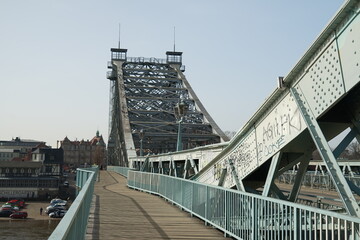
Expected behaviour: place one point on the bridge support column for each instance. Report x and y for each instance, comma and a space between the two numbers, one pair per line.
271, 173
193, 165
189, 164
222, 177
186, 168
304, 163
172, 167
326, 154
238, 182
145, 165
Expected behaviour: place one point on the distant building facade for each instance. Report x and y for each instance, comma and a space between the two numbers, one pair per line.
19, 149
33, 172
84, 153
9, 154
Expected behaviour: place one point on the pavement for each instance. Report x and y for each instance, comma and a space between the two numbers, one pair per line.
122, 213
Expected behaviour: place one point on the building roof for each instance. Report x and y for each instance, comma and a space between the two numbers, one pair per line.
17, 142
97, 139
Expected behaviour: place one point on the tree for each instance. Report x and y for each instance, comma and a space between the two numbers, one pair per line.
354, 150
230, 134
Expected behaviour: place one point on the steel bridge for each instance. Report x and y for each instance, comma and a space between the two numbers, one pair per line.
232, 183
144, 118
315, 102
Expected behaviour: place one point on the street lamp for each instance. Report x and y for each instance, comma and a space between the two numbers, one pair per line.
180, 111
141, 136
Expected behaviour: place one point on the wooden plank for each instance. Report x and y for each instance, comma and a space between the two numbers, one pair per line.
122, 213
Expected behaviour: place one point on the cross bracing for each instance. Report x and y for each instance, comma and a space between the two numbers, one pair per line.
142, 111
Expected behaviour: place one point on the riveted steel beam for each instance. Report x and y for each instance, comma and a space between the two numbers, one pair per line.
326, 154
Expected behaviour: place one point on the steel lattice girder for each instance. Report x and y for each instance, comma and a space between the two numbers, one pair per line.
152, 90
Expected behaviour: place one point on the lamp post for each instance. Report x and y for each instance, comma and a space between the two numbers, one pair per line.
180, 111
141, 136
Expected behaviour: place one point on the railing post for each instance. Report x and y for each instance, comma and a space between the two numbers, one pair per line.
296, 223
192, 198
150, 186
226, 213
254, 217
206, 203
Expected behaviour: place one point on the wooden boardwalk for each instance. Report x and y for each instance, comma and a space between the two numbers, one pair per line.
122, 213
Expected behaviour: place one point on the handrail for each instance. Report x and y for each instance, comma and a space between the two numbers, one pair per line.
74, 223
120, 170
244, 215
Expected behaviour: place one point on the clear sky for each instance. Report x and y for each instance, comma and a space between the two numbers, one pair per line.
53, 56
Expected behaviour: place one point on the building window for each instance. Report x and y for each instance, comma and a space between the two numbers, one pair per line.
7, 170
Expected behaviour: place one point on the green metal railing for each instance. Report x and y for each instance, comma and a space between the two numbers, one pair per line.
247, 216
74, 223
120, 170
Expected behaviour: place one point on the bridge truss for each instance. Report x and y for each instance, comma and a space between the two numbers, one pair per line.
143, 95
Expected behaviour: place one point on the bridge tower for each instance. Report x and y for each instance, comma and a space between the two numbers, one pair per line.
144, 93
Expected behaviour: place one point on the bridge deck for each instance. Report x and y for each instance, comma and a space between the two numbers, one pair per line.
122, 213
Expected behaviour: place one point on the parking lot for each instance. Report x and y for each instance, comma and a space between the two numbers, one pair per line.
33, 210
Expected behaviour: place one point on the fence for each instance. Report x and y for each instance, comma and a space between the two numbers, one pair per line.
121, 170
74, 223
244, 215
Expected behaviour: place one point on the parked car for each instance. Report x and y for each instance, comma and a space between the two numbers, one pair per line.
5, 213
19, 215
18, 202
56, 205
58, 201
11, 206
51, 209
6, 209
58, 214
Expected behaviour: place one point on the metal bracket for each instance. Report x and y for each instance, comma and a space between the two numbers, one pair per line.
326, 154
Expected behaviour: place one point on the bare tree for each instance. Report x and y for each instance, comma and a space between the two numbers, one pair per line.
230, 134
354, 150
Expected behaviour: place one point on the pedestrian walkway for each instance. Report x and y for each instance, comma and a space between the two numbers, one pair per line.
119, 212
